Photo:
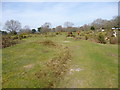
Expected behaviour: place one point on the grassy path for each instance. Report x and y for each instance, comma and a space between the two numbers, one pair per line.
92, 66
34, 65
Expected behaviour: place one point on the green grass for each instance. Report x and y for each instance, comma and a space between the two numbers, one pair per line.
25, 65
99, 67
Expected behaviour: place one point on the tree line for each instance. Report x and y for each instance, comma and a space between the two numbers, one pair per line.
14, 27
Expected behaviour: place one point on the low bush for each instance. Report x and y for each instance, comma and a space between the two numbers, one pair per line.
23, 35
82, 33
86, 37
58, 33
8, 41
101, 38
113, 40
70, 34
15, 37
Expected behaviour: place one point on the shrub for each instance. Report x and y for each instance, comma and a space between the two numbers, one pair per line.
92, 28
113, 40
15, 37
70, 34
23, 35
33, 30
82, 34
8, 41
86, 37
101, 38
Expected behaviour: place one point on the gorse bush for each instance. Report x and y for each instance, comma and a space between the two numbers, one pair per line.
101, 38
15, 37
8, 41
23, 35
86, 37
70, 34
92, 28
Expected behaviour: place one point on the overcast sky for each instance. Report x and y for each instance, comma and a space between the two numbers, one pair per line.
35, 14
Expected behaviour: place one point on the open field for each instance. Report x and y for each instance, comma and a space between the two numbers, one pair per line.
58, 62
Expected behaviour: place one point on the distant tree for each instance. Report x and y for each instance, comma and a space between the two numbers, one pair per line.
92, 28
81, 28
33, 30
86, 27
12, 26
39, 29
116, 21
46, 27
53, 29
68, 24
107, 24
25, 29
98, 23
3, 32
58, 28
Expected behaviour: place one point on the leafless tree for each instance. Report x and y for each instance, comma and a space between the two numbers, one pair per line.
86, 27
12, 26
107, 24
68, 24
25, 29
46, 27
58, 28
98, 23
116, 21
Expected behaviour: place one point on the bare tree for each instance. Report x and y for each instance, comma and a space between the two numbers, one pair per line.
107, 24
68, 24
45, 27
98, 23
86, 27
25, 29
116, 21
58, 28
12, 26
